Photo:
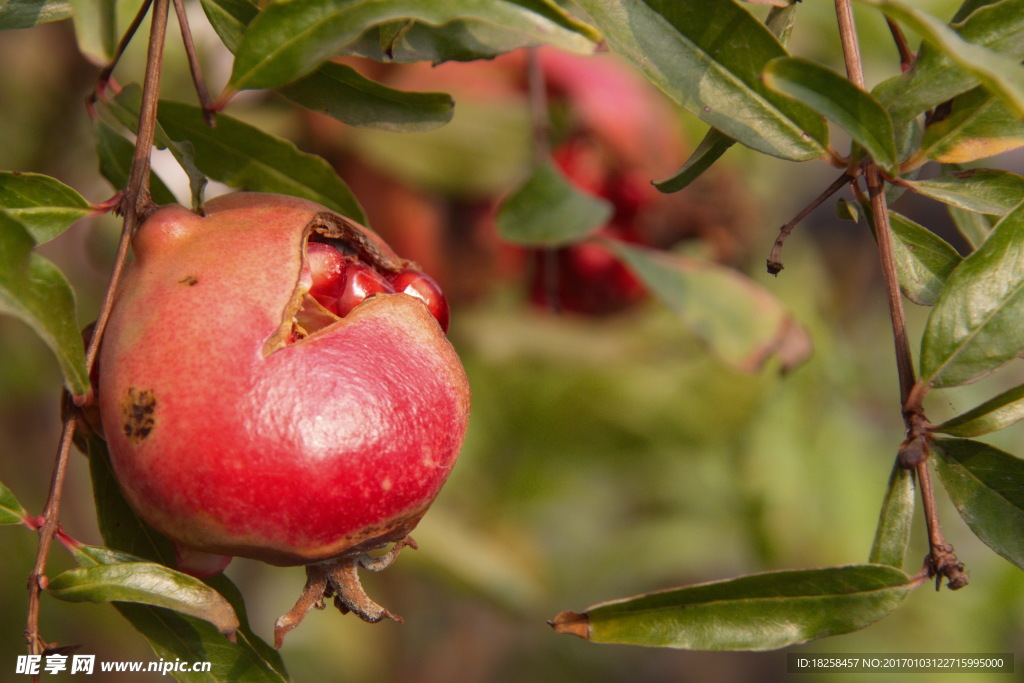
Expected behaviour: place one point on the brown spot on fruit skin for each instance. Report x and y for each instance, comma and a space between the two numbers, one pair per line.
137, 410
189, 280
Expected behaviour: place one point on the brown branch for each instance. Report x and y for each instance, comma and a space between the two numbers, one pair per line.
135, 205
914, 451
906, 55
107, 72
775, 256
941, 560
193, 63
37, 579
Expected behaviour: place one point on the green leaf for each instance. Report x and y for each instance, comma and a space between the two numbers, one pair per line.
997, 413
713, 146
547, 210
29, 13
974, 227
739, 320
975, 325
993, 25
341, 92
987, 487
923, 260
983, 190
289, 40
149, 584
895, 520
707, 55
35, 291
98, 27
42, 205
780, 22
229, 19
839, 101
975, 125
461, 40
847, 211
173, 635
11, 511
755, 612
115, 153
246, 158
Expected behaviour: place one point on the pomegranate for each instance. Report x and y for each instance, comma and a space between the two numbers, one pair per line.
269, 390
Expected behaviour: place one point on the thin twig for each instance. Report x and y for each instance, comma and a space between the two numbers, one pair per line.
914, 451
137, 198
775, 256
37, 579
941, 560
136, 203
193, 63
108, 70
906, 55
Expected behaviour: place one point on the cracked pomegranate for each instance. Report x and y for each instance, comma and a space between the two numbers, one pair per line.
275, 385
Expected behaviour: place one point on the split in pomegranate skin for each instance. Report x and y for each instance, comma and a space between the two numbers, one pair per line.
268, 391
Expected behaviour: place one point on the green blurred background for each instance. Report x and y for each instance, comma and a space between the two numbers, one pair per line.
605, 457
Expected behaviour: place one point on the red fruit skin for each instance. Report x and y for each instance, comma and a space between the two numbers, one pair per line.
229, 440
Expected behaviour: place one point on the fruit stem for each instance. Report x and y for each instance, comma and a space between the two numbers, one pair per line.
339, 578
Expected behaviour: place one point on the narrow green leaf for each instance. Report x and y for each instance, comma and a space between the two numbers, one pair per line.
29, 13
975, 325
289, 40
149, 584
246, 158
713, 146
839, 101
935, 79
781, 19
35, 291
987, 488
707, 55
923, 260
895, 519
983, 190
341, 92
42, 205
997, 413
974, 227
115, 153
976, 125
229, 19
741, 322
755, 612
547, 210
780, 22
1001, 73
847, 211
97, 28
462, 40
11, 511
170, 634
